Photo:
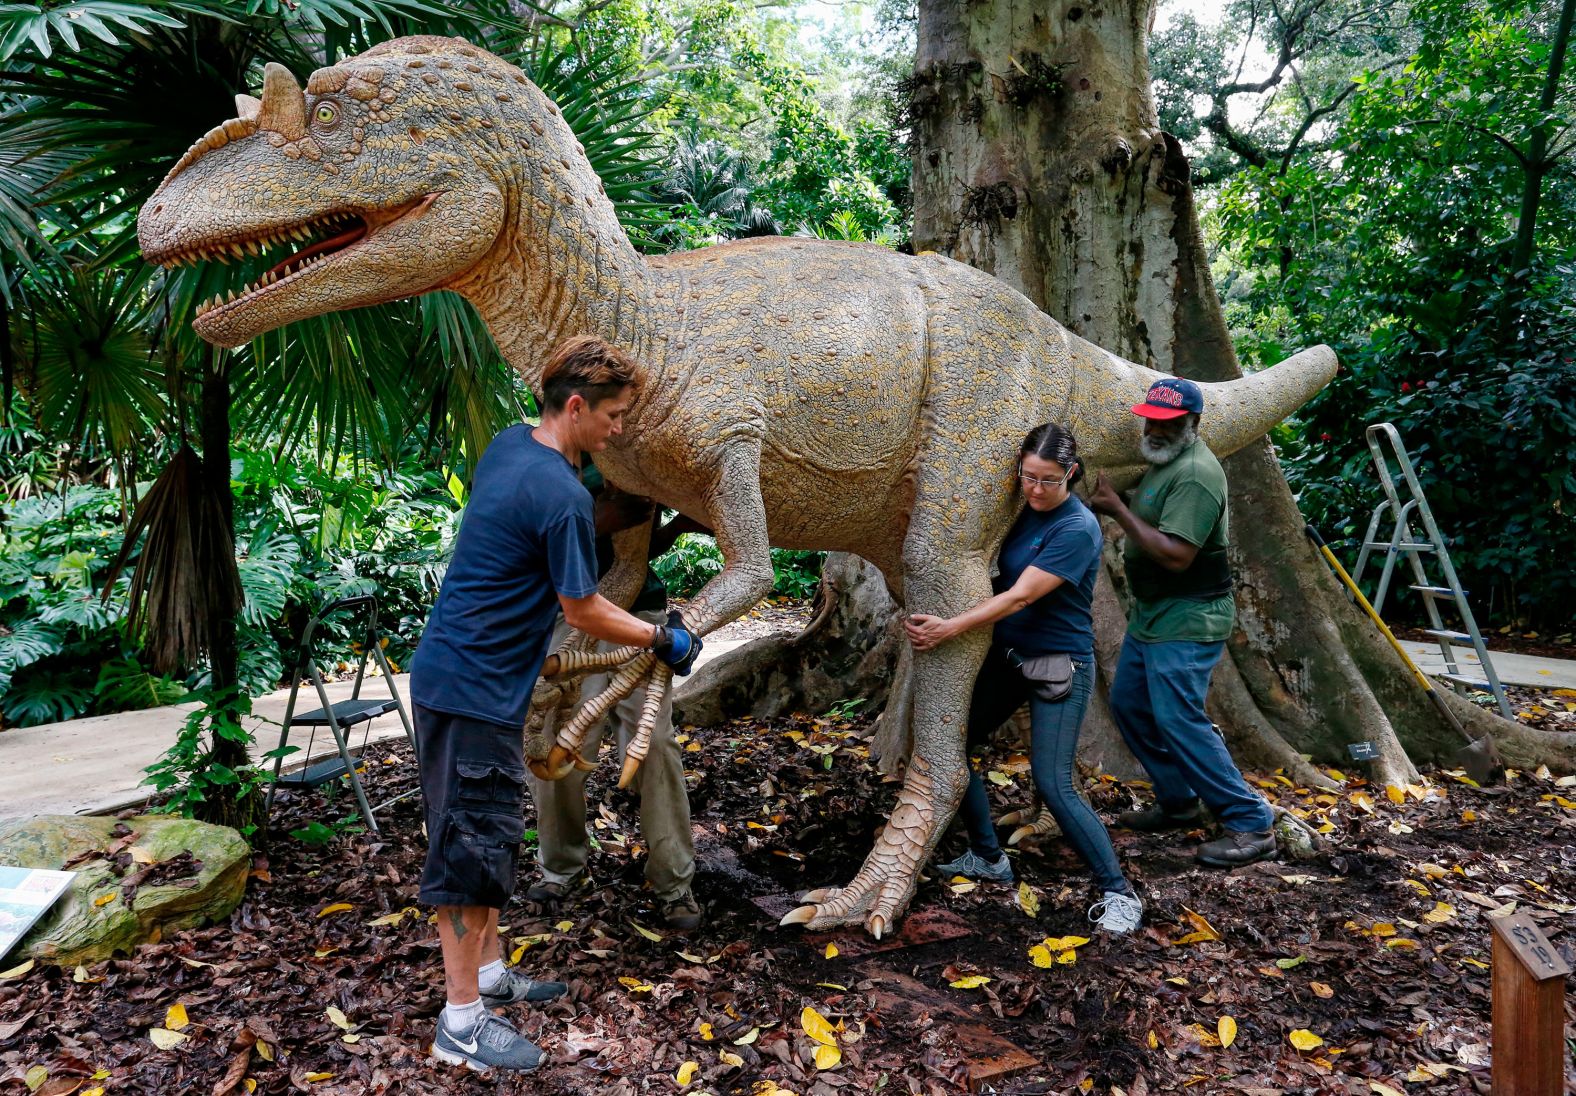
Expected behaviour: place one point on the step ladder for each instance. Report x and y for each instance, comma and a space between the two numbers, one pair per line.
1404, 500
340, 717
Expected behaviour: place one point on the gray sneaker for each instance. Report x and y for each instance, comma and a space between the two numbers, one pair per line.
515, 987
492, 1044
1117, 913
974, 866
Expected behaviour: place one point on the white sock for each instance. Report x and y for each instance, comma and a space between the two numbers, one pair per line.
461, 1018
491, 974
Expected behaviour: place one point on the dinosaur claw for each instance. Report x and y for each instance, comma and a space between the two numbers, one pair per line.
821, 894
1019, 834
631, 767
556, 765
877, 925
802, 915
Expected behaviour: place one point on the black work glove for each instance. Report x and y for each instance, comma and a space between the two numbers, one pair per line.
676, 645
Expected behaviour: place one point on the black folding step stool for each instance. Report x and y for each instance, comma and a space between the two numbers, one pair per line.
340, 717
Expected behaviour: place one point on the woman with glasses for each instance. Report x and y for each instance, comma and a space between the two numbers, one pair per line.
1042, 651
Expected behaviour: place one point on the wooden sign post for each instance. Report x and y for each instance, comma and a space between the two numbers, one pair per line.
1529, 1009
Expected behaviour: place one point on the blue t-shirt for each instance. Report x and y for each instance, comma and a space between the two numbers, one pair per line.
527, 537
1064, 542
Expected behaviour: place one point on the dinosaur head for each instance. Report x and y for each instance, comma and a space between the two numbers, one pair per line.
385, 178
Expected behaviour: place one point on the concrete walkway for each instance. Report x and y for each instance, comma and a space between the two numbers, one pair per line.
95, 765
1533, 670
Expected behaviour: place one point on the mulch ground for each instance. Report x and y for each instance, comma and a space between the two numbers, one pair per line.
1374, 955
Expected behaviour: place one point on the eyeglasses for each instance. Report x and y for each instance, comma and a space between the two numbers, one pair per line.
1034, 481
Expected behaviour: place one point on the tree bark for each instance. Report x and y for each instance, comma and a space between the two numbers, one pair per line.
846, 651
241, 810
1038, 157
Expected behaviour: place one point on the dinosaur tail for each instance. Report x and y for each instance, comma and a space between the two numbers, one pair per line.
1235, 412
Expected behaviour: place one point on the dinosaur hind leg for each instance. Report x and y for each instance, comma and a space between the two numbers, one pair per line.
943, 681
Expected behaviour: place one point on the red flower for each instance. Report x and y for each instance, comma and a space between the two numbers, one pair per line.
1325, 437
1406, 386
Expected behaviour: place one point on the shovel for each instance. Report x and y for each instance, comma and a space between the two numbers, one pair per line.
1479, 758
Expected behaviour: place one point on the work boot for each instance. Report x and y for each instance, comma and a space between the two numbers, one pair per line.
974, 866
545, 891
1159, 819
683, 913
1237, 847
492, 1044
514, 987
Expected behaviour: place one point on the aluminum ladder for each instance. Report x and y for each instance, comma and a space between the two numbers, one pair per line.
1404, 500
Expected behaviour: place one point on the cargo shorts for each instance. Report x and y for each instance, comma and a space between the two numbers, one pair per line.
473, 787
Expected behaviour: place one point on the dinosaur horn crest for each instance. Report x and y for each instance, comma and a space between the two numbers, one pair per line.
284, 103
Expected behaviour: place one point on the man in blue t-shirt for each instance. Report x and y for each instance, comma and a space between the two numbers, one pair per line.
525, 553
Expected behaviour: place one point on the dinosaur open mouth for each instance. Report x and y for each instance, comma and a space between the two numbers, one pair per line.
325, 236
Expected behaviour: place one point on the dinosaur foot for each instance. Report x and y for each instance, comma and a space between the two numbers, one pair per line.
1032, 824
881, 891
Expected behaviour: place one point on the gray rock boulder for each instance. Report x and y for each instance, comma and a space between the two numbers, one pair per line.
136, 880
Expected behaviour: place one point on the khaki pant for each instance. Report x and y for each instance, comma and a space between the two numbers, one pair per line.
664, 799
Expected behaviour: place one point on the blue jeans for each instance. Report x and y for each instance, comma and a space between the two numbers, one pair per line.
1157, 700
998, 692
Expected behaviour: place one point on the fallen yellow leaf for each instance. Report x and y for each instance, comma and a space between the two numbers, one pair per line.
1394, 794
654, 937
82, 975
1303, 1039
16, 971
833, 985
635, 985
1362, 802
831, 951
828, 1057
35, 1077
104, 899
1028, 901
1382, 1089
264, 1051
1040, 956
165, 1039
1226, 1027
706, 1032
1442, 912
1381, 929
972, 981
315, 1077
727, 1057
338, 1018
686, 1073
817, 1027
748, 1037
175, 1017
336, 907
564, 926
1321, 990
1062, 943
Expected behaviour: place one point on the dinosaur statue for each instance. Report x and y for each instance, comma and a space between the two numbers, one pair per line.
797, 392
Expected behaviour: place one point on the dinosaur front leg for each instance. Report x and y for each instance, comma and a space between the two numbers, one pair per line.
554, 729
943, 682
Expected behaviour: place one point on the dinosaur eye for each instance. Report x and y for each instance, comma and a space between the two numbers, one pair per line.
326, 114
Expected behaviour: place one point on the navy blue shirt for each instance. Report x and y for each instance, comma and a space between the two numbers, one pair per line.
527, 537
1064, 542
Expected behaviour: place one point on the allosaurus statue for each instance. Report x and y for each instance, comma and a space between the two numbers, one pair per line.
797, 392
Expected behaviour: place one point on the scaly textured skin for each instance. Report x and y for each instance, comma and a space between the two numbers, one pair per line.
803, 393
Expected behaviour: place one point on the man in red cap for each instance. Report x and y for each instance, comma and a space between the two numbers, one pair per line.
1182, 613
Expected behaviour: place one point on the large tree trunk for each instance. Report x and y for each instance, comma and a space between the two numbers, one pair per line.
1038, 157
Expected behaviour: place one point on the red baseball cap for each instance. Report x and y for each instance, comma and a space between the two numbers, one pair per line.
1171, 398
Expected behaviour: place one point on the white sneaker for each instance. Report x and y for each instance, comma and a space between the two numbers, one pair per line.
1117, 913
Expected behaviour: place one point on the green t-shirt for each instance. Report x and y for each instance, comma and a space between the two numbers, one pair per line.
1187, 499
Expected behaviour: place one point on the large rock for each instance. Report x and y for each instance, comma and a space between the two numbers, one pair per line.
84, 926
